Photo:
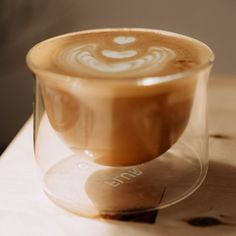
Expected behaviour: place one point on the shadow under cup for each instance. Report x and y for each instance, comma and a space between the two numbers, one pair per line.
115, 147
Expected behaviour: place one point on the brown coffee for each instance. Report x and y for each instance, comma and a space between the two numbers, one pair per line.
115, 95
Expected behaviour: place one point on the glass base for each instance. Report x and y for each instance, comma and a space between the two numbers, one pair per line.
89, 189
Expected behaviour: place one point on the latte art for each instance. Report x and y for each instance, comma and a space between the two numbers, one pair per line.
119, 54
131, 62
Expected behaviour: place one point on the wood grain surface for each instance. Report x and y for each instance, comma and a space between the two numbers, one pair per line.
211, 210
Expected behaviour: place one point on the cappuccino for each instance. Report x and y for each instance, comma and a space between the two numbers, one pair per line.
115, 95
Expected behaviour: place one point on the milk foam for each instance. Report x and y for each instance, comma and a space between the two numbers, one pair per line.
119, 53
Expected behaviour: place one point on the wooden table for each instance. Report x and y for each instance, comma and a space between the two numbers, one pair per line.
211, 210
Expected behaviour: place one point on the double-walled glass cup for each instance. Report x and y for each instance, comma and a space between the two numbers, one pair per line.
103, 152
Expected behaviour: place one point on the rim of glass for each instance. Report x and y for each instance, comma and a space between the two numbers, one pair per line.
36, 69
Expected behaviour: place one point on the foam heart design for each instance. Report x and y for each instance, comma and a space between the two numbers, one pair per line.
124, 39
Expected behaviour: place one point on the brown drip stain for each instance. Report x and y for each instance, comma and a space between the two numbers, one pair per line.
204, 221
220, 136
145, 217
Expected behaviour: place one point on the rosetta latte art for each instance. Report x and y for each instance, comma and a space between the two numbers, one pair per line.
92, 58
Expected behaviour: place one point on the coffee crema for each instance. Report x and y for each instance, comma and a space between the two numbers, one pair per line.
109, 93
123, 53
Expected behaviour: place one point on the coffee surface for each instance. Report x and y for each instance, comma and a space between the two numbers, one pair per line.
119, 54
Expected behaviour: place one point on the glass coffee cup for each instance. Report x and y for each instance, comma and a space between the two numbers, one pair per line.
120, 119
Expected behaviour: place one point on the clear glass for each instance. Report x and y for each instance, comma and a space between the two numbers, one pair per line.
113, 173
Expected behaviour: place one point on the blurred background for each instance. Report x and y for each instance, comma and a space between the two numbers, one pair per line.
26, 22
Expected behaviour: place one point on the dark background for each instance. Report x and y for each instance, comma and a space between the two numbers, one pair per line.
24, 23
